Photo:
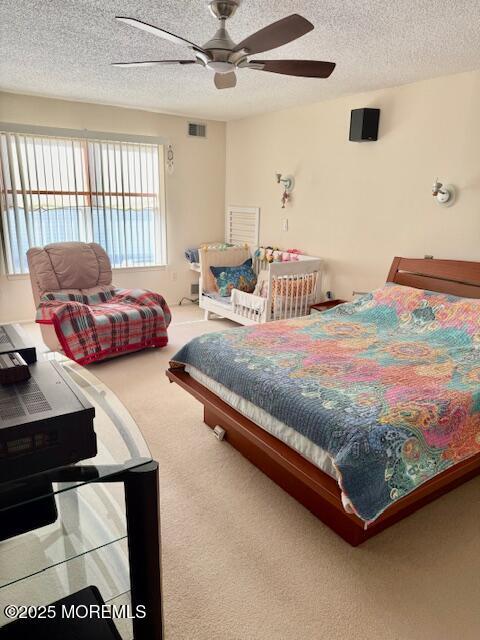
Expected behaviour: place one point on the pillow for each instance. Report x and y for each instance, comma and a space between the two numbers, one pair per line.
241, 277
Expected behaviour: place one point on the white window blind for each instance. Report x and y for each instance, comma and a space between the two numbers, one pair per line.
242, 225
57, 189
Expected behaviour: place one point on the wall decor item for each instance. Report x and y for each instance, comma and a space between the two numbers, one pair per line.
444, 194
170, 159
364, 124
288, 183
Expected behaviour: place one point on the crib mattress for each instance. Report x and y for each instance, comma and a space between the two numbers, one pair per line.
226, 301
308, 449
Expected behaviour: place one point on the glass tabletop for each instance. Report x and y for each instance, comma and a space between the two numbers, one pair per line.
120, 444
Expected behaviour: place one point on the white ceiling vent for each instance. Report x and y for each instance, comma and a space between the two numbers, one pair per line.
197, 130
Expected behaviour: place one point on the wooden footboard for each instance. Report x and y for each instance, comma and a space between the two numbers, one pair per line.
304, 481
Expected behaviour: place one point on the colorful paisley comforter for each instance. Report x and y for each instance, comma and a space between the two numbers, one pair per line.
388, 385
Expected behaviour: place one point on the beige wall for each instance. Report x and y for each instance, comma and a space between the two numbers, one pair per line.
355, 204
359, 204
195, 191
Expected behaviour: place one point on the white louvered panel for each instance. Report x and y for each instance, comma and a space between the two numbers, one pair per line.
242, 225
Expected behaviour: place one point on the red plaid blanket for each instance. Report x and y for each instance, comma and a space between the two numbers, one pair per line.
111, 321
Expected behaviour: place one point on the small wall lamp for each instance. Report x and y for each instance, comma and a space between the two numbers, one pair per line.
444, 194
288, 183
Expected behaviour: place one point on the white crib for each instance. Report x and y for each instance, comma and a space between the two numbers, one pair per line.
291, 287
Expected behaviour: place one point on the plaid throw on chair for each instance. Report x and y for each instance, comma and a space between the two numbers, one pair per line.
108, 322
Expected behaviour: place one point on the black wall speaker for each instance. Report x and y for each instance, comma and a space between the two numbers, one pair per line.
364, 124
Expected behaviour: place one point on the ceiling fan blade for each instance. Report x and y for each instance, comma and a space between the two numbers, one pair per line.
151, 63
156, 31
225, 80
301, 68
276, 34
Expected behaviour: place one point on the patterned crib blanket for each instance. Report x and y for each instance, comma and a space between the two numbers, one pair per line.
388, 385
109, 321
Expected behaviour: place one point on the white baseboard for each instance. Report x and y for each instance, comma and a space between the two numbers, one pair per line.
24, 321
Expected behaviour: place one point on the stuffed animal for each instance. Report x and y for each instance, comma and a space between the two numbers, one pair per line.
277, 256
260, 253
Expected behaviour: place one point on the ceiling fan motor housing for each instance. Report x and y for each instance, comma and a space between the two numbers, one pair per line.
223, 9
220, 47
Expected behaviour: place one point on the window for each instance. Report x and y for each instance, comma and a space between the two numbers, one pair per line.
56, 189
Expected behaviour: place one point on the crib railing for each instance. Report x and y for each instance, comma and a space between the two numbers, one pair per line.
246, 305
292, 288
292, 295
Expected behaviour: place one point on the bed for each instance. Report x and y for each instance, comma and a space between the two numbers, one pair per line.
360, 452
290, 286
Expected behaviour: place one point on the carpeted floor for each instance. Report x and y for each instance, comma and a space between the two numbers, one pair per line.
243, 561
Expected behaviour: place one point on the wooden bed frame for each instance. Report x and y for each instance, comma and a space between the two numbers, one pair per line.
304, 481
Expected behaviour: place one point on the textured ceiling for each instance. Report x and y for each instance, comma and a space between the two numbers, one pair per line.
62, 48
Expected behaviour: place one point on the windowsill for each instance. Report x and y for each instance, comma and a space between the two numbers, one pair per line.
153, 267
16, 276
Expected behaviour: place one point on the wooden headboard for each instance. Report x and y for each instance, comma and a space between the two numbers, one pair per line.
456, 277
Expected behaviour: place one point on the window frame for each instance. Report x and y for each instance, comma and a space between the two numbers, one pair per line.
160, 226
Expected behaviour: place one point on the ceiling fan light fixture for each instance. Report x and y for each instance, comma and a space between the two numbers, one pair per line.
220, 67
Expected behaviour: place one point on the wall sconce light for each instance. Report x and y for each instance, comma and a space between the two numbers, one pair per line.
444, 194
288, 183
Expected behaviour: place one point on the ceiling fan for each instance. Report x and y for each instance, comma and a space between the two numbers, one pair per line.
224, 57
